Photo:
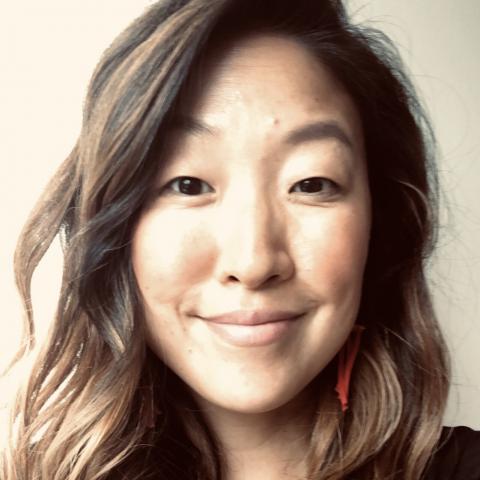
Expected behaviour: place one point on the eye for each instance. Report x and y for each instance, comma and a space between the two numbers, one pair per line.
190, 186
316, 186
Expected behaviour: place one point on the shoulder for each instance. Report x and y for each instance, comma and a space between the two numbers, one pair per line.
457, 456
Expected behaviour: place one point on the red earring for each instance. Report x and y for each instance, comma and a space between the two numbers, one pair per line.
346, 360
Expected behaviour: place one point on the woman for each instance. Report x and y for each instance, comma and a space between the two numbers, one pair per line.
245, 218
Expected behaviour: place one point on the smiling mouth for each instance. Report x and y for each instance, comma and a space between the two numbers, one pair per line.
253, 335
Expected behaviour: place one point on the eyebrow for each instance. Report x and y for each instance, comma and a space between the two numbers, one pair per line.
318, 130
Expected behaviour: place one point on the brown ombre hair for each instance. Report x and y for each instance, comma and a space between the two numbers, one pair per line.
98, 404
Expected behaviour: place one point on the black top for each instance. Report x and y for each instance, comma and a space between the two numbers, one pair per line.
458, 455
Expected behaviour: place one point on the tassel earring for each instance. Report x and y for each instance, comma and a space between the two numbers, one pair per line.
346, 360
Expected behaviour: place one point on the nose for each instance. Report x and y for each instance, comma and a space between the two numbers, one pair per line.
253, 250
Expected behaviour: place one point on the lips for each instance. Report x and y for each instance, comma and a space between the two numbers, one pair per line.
253, 317
253, 328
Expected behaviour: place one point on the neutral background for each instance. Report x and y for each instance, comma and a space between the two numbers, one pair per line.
48, 51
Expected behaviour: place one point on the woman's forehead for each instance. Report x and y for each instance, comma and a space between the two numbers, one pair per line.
270, 67
268, 82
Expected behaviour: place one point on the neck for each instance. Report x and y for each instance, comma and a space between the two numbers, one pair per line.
260, 445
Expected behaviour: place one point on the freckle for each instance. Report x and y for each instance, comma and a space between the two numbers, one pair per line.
190, 351
273, 121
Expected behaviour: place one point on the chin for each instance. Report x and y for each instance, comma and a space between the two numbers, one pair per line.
252, 400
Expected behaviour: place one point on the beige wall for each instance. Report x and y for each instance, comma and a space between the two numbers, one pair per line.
48, 50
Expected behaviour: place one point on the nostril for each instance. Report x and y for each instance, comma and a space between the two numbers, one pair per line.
273, 279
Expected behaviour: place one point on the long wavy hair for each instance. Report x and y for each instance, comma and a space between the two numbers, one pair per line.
98, 404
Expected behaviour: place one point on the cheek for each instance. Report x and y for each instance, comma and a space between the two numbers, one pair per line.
168, 255
333, 250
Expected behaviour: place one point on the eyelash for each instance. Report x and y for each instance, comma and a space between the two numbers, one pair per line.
333, 186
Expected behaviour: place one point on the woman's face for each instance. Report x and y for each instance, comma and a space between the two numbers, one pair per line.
274, 215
